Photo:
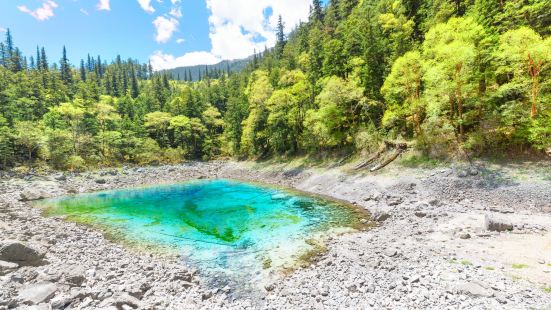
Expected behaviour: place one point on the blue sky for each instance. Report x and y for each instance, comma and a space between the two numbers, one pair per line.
170, 33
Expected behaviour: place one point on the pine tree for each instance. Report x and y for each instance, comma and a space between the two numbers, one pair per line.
16, 61
82, 71
99, 67
38, 61
65, 68
44, 60
89, 64
316, 11
134, 91
280, 37
9, 43
3, 56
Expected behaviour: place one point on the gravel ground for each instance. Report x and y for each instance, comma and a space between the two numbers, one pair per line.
447, 238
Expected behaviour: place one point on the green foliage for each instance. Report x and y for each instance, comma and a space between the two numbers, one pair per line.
447, 76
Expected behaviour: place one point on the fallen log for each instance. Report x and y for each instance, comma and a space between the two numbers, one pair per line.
370, 159
400, 148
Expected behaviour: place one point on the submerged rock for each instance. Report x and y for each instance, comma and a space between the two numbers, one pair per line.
17, 252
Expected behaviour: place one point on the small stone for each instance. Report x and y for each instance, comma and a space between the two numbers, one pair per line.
420, 214
7, 267
465, 236
75, 275
380, 215
391, 252
60, 177
101, 181
473, 171
269, 287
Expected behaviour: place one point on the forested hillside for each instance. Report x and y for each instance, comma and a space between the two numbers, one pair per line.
448, 77
199, 72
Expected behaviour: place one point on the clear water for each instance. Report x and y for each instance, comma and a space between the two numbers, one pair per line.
222, 227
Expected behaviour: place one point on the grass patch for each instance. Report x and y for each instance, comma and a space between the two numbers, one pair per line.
547, 289
466, 262
452, 261
519, 266
267, 263
489, 268
313, 255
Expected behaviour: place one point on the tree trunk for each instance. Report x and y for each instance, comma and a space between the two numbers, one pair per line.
534, 69
458, 97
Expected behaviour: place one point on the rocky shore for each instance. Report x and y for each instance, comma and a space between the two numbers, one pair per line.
447, 238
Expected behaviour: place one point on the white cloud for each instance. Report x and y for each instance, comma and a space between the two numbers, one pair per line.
2, 29
42, 13
83, 11
244, 21
103, 5
180, 40
146, 6
160, 61
165, 28
239, 27
176, 12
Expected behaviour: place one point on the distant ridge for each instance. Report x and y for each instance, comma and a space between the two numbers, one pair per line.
182, 73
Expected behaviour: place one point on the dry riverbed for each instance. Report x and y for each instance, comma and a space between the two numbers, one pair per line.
452, 237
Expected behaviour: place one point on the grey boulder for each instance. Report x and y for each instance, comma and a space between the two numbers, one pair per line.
17, 252
473, 289
34, 294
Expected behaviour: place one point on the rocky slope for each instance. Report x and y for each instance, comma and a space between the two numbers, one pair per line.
447, 238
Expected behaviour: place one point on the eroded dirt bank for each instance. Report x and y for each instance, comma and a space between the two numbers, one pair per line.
447, 238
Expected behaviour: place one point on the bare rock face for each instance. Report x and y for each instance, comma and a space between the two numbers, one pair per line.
495, 224
18, 253
34, 294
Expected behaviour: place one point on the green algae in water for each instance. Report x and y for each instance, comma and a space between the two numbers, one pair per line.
217, 225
